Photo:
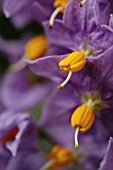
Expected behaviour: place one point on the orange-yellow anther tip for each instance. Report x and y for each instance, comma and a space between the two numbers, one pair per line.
83, 117
73, 62
61, 3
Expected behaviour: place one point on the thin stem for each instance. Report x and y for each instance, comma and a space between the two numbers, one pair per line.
76, 138
66, 81
82, 3
48, 164
53, 16
19, 65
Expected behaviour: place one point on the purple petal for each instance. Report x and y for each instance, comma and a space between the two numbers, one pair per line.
32, 161
26, 135
62, 134
47, 67
60, 106
19, 93
65, 37
107, 163
13, 6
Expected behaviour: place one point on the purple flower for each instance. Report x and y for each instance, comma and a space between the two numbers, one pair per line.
27, 11
19, 133
79, 37
19, 136
80, 33
80, 159
91, 83
20, 88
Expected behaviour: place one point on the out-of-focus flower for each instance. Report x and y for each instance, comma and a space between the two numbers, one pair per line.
18, 132
30, 10
20, 88
32, 161
27, 11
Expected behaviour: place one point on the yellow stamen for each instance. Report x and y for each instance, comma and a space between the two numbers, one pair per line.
9, 137
60, 6
72, 63
36, 47
82, 119
59, 157
82, 3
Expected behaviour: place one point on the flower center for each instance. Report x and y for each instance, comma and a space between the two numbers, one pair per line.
94, 100
82, 119
60, 6
58, 157
72, 63
10, 136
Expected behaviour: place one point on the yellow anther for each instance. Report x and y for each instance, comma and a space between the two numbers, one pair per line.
36, 47
82, 3
72, 63
10, 136
60, 6
59, 157
82, 119
61, 3
63, 156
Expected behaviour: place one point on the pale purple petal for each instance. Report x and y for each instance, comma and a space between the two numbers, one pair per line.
107, 163
18, 92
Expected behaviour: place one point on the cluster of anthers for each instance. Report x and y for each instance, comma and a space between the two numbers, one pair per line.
58, 158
